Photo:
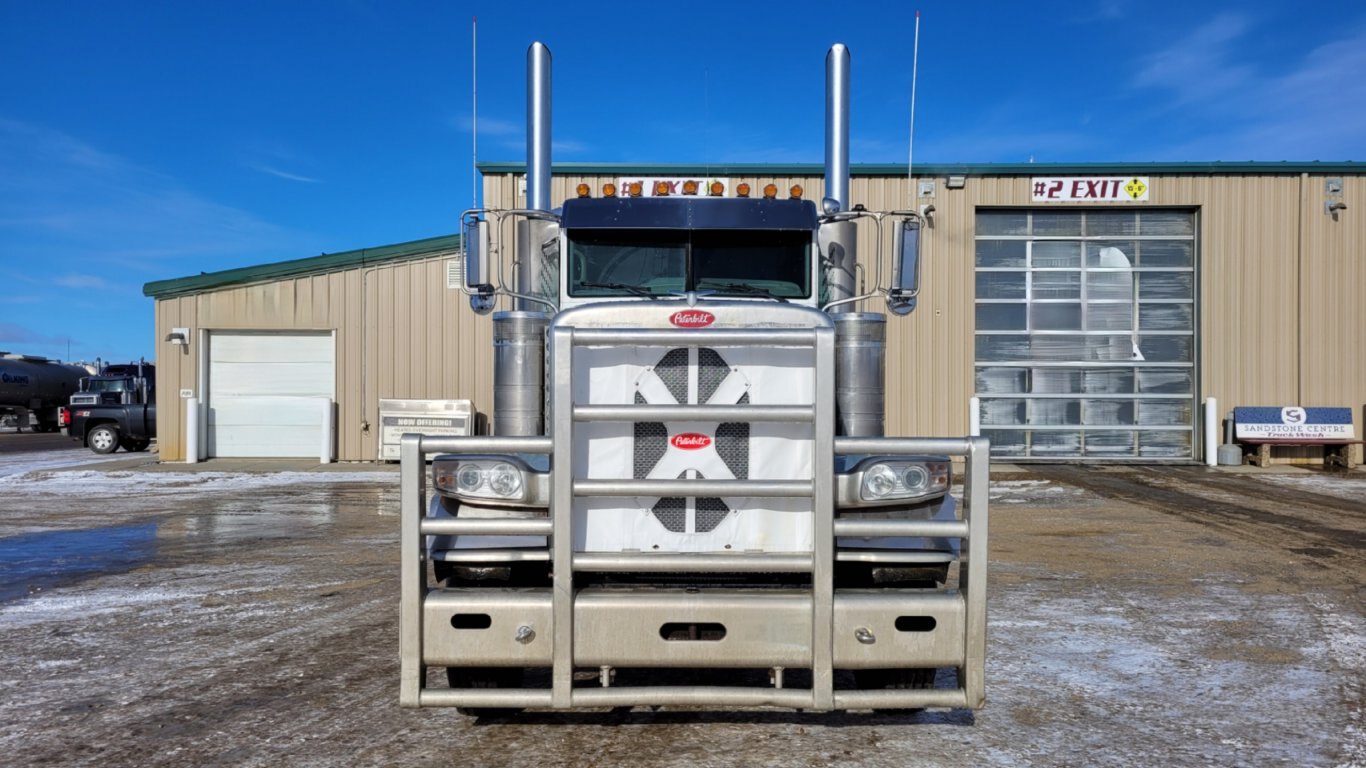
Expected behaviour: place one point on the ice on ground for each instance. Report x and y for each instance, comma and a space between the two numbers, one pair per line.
83, 482
1345, 485
17, 464
1026, 491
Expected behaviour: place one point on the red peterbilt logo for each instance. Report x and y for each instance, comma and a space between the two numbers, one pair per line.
692, 318
690, 441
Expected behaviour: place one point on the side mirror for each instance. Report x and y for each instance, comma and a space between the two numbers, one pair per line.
476, 278
901, 297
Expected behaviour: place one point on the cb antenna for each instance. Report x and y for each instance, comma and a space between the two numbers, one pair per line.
910, 144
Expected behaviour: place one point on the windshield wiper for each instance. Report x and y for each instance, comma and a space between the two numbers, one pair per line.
741, 288
634, 290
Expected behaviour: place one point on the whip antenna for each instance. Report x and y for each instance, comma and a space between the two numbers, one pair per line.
910, 144
474, 112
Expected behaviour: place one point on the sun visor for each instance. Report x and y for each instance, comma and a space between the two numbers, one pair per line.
688, 213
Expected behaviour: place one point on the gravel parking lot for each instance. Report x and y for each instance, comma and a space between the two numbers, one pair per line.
1138, 616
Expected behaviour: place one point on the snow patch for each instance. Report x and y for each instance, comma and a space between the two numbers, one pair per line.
83, 482
17, 465
1351, 485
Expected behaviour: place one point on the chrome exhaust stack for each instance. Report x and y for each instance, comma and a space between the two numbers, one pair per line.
837, 125
838, 238
538, 127
519, 336
537, 239
860, 338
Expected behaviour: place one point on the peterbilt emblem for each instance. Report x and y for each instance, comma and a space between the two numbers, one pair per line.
690, 441
692, 318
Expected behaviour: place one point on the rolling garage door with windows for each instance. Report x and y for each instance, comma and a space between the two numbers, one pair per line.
266, 391
1085, 336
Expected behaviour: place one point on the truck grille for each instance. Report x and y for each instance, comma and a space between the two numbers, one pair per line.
730, 440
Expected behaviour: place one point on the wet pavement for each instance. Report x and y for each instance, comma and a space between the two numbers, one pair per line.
215, 614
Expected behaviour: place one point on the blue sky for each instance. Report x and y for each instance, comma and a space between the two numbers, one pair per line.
148, 140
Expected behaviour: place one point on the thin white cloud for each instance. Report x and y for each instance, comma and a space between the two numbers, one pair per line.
1315, 109
1105, 10
67, 202
273, 171
1201, 64
488, 126
569, 146
11, 333
81, 282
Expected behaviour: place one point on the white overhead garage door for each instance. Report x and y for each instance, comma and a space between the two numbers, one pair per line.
265, 392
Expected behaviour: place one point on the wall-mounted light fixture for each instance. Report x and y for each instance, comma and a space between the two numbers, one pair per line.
956, 182
179, 336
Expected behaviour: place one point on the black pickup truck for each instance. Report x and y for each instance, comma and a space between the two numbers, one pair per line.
106, 428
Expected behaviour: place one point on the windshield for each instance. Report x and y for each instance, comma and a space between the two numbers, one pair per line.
644, 262
107, 385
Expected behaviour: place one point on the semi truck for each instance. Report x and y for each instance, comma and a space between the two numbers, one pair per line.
118, 384
115, 408
35, 388
688, 498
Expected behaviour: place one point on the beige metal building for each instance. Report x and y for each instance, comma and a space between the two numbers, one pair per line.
1092, 309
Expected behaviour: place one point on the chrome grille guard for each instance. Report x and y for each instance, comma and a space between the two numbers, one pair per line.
819, 563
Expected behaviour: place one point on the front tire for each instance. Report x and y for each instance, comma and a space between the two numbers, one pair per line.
103, 439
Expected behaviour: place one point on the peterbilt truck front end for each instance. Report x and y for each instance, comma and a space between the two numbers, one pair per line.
689, 471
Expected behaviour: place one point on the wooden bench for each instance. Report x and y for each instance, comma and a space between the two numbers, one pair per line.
1264, 428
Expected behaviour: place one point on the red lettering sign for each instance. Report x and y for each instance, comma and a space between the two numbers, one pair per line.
692, 318
690, 441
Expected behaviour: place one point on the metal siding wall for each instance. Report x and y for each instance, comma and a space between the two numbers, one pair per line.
399, 333
1248, 243
176, 367
1332, 287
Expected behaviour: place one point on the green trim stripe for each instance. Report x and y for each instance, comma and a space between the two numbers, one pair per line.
327, 262
936, 169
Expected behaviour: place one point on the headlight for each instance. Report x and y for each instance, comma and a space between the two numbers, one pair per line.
879, 481
468, 478
916, 478
889, 480
505, 480
479, 478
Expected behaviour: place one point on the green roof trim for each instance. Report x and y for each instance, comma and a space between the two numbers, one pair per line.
937, 169
327, 262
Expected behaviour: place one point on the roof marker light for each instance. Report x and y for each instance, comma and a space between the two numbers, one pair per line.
661, 189
689, 187
770, 191
583, 190
742, 190
795, 192
635, 189
717, 188
609, 190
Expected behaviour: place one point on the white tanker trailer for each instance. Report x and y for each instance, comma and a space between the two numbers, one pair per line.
689, 498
